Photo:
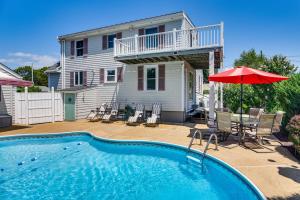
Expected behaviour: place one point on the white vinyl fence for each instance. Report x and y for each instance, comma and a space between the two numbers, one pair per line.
38, 107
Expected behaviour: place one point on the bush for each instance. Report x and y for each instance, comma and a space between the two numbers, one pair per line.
294, 129
30, 89
288, 96
294, 125
232, 94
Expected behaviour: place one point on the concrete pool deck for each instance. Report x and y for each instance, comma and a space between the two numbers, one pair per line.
275, 173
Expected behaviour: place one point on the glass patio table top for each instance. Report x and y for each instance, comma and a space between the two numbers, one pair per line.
236, 118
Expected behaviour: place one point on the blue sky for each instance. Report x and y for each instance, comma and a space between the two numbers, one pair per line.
29, 29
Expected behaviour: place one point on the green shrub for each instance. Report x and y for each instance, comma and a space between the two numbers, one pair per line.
232, 94
288, 97
30, 89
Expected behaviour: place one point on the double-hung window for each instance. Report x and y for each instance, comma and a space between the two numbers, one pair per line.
78, 78
79, 48
111, 75
151, 77
111, 39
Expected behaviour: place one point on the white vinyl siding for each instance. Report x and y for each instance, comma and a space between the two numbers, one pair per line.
7, 103
125, 91
170, 98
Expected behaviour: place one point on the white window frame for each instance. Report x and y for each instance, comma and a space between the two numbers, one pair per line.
78, 48
105, 75
78, 78
145, 77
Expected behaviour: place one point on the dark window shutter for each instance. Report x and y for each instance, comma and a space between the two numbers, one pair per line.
140, 78
161, 28
85, 78
71, 79
161, 77
72, 50
161, 38
85, 47
104, 42
119, 35
120, 74
141, 31
141, 39
101, 76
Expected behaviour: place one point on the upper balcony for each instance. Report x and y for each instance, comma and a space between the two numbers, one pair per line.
191, 45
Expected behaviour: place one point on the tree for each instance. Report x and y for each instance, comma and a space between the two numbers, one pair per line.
261, 95
251, 59
39, 76
25, 72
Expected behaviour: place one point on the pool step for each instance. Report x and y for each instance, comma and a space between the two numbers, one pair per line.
193, 159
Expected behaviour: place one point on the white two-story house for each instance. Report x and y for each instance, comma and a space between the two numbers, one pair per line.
143, 61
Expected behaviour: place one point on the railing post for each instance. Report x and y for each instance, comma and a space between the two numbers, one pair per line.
26, 106
174, 38
222, 34
136, 45
53, 104
115, 47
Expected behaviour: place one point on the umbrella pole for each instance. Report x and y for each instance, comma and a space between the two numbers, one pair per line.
241, 114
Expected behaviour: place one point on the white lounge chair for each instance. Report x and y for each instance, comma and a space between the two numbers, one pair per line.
155, 115
113, 113
138, 115
97, 114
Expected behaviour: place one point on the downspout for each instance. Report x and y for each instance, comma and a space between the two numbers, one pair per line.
63, 48
182, 93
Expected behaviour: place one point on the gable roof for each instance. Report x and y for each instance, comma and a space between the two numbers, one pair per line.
54, 68
9, 71
130, 24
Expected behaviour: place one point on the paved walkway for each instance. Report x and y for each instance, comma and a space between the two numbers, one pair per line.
275, 173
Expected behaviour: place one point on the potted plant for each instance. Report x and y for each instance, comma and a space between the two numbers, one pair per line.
129, 111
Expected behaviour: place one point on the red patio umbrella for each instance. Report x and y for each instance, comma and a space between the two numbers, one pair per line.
5, 79
245, 75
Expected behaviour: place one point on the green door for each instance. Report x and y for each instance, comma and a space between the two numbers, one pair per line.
69, 107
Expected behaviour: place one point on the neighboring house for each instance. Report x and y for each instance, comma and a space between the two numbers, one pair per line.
143, 61
54, 78
7, 93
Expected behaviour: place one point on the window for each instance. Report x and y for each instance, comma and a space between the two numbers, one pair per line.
151, 76
79, 48
111, 39
191, 85
78, 78
151, 42
110, 75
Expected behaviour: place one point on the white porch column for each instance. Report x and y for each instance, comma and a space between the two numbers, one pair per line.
211, 89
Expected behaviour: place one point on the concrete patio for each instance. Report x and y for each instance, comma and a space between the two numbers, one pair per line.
275, 173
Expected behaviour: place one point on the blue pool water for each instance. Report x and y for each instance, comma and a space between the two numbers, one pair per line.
83, 167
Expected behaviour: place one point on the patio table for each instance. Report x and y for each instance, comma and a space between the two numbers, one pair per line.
236, 118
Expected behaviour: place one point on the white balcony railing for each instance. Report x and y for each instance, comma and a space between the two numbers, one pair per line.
196, 38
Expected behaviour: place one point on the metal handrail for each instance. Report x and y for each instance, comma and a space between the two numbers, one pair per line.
207, 145
192, 140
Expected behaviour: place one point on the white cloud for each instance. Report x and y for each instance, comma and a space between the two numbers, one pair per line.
23, 58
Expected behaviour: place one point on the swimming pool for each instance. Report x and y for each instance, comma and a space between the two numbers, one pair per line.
81, 166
